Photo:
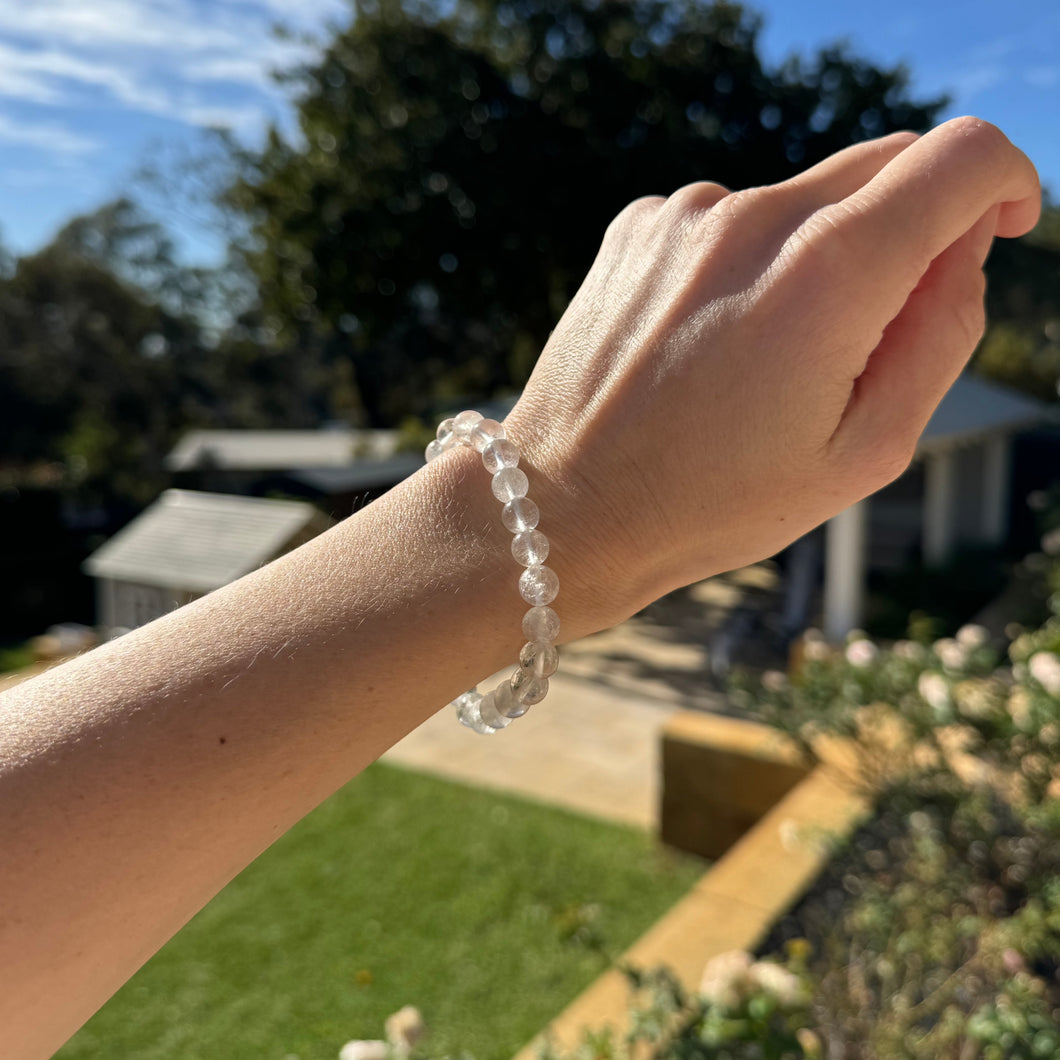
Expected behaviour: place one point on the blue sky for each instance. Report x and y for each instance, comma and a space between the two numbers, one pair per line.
91, 90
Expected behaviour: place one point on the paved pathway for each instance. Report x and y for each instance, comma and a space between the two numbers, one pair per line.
585, 747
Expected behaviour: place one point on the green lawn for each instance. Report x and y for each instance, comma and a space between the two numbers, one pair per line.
487, 913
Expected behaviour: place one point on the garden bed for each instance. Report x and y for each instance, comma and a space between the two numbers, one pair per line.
934, 931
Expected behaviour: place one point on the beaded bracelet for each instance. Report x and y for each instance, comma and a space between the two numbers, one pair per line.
538, 584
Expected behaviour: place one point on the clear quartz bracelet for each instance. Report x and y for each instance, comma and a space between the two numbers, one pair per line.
538, 584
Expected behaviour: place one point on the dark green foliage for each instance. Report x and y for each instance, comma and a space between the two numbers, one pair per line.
455, 173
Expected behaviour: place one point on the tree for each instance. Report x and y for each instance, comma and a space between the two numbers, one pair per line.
1021, 347
455, 172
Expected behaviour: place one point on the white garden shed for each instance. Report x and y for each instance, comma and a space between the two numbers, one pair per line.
187, 544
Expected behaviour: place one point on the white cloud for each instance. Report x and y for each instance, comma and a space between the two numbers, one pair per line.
169, 25
49, 137
200, 63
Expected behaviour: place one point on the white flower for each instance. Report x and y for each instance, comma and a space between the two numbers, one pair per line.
364, 1050
405, 1028
1018, 706
725, 978
778, 983
952, 654
934, 689
908, 650
861, 653
1044, 667
816, 649
973, 699
972, 636
774, 680
1051, 542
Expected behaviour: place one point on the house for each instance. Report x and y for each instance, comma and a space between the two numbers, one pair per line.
338, 468
187, 544
957, 491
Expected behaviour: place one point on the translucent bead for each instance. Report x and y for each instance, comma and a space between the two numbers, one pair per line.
520, 515
528, 689
465, 423
540, 658
510, 483
445, 432
499, 454
467, 711
538, 585
490, 714
530, 548
434, 450
541, 623
485, 432
506, 703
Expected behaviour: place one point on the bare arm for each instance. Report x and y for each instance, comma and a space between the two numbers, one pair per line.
735, 369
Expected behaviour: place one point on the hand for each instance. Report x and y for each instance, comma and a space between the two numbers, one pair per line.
739, 367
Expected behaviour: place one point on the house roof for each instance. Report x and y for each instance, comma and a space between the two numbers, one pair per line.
974, 408
199, 541
365, 474
279, 450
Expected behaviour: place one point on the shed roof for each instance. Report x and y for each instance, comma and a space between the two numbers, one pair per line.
278, 450
199, 541
974, 408
365, 474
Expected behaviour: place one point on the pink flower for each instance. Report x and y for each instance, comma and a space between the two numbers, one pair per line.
861, 653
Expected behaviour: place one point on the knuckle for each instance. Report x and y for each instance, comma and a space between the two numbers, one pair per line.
633, 216
699, 197
887, 462
824, 243
980, 140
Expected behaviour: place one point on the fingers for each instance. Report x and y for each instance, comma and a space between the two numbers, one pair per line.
920, 355
847, 171
923, 200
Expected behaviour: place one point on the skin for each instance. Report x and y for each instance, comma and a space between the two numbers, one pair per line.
735, 369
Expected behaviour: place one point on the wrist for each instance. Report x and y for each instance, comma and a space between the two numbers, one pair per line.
605, 576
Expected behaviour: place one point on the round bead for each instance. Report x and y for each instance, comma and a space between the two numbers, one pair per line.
520, 515
528, 689
506, 703
467, 711
510, 483
434, 450
445, 432
490, 714
538, 585
530, 548
540, 658
499, 454
465, 423
484, 433
541, 623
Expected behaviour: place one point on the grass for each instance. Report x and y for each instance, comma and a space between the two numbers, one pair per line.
487, 913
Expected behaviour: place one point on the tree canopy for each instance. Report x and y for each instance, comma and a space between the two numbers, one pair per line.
457, 165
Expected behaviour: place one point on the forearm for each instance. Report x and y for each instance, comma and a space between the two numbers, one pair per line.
136, 781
